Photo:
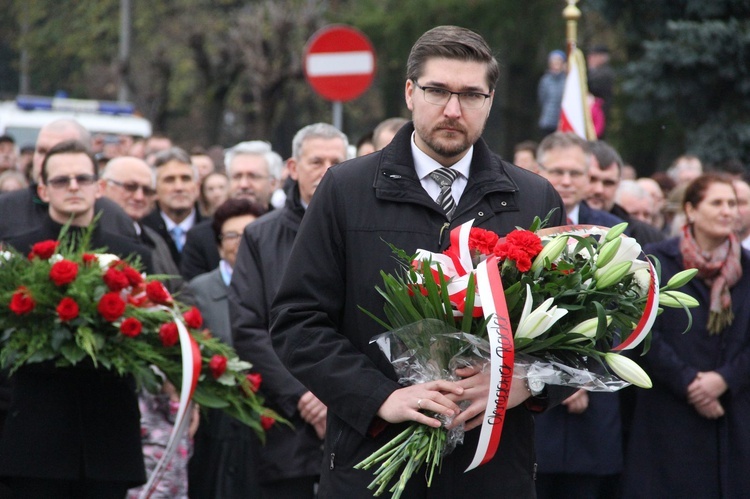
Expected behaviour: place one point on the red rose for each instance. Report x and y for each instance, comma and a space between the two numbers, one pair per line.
44, 249
218, 365
88, 258
131, 327
157, 293
111, 306
115, 280
134, 277
254, 379
267, 422
193, 318
22, 302
63, 272
67, 309
168, 334
483, 241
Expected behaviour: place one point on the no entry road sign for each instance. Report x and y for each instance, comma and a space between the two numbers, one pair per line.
339, 63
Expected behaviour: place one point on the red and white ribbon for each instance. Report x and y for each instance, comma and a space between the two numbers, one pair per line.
191, 370
502, 352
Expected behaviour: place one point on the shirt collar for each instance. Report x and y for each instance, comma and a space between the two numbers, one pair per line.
186, 224
573, 214
226, 271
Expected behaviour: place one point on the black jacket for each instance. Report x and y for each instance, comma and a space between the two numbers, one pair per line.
201, 253
261, 261
641, 231
324, 339
156, 222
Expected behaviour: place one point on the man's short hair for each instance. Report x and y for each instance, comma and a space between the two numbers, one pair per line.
319, 131
391, 125
174, 154
7, 139
527, 145
633, 188
561, 140
451, 42
257, 148
65, 124
606, 156
67, 147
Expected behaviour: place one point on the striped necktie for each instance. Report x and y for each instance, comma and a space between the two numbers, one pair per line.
445, 177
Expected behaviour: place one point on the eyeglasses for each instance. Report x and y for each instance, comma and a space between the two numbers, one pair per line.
250, 176
232, 237
133, 187
440, 97
560, 172
63, 182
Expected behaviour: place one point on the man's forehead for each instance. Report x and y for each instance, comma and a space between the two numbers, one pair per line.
248, 161
458, 74
321, 146
70, 161
572, 156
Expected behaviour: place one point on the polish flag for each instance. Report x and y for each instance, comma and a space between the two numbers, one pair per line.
575, 115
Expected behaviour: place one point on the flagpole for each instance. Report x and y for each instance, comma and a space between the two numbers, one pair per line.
576, 63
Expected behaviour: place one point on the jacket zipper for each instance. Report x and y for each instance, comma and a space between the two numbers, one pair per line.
333, 447
446, 225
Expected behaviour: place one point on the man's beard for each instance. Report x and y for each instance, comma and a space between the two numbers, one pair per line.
448, 148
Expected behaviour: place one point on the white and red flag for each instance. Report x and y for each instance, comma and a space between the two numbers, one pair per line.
575, 114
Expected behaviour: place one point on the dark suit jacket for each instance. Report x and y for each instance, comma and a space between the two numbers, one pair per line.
156, 222
22, 210
209, 294
201, 253
78, 422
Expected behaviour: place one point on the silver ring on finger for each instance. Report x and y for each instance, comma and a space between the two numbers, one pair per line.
419, 404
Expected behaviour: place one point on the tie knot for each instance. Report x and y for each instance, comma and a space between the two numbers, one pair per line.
176, 231
444, 176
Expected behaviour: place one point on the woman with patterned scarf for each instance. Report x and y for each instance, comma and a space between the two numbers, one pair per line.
690, 435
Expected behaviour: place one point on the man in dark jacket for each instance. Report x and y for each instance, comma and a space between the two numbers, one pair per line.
389, 196
72, 431
289, 463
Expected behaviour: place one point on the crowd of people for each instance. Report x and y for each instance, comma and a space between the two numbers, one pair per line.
279, 254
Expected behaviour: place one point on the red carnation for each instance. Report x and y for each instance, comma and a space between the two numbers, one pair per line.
111, 306
483, 241
267, 422
115, 280
88, 258
44, 249
157, 293
193, 318
22, 302
218, 365
63, 272
134, 277
67, 309
131, 327
168, 334
254, 379
520, 246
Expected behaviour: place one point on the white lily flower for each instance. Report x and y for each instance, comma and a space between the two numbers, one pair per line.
587, 328
629, 251
551, 251
533, 324
628, 370
642, 277
57, 257
6, 255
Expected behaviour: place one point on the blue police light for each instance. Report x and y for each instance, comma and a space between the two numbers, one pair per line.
31, 103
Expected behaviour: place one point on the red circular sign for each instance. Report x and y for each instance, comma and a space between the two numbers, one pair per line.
339, 63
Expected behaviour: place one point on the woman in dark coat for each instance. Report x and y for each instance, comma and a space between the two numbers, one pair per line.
690, 434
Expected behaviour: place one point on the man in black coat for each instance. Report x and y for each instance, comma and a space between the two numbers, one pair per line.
75, 431
253, 169
23, 209
289, 462
389, 196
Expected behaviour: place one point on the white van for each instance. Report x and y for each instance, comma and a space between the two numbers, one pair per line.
23, 117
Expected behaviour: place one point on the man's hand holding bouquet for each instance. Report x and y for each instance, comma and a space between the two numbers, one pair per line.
537, 307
